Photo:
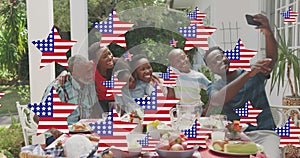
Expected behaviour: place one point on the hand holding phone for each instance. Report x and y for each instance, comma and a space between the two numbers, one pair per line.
250, 20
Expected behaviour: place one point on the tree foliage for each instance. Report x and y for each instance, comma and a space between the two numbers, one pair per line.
13, 36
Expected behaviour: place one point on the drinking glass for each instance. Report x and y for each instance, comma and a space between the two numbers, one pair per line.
218, 121
218, 134
186, 115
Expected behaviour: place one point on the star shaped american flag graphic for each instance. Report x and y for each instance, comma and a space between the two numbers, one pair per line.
289, 16
289, 133
248, 114
127, 56
239, 56
173, 43
197, 34
53, 49
113, 30
196, 17
169, 77
52, 113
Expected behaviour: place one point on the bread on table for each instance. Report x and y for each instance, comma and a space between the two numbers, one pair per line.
79, 126
219, 145
241, 147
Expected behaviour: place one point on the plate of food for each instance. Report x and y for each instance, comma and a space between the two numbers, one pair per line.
80, 128
174, 145
239, 148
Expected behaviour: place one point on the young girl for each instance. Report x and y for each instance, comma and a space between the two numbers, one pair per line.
145, 80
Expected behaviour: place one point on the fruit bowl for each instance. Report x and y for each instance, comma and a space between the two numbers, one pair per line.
176, 154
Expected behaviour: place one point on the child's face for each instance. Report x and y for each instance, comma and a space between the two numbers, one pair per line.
144, 70
181, 62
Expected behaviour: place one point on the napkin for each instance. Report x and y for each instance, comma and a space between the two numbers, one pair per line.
33, 149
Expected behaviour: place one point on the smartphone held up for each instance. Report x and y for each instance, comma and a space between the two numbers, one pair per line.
250, 20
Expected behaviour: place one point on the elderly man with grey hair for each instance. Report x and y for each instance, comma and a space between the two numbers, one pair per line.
77, 87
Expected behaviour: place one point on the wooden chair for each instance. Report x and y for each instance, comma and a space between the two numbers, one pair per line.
29, 127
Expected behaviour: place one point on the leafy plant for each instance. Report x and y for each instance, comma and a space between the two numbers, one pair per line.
206, 71
11, 139
287, 62
13, 35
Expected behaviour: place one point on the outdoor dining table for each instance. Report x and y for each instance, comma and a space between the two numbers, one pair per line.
201, 153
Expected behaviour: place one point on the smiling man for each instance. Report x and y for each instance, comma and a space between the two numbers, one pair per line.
233, 89
78, 87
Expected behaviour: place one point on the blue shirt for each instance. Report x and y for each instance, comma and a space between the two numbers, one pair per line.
253, 90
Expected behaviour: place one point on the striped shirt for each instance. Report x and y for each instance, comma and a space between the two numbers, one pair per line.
189, 85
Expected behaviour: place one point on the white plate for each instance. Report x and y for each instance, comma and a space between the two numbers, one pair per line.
259, 147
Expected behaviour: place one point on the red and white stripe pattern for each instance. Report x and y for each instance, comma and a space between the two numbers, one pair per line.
116, 89
239, 56
1, 94
289, 16
251, 112
201, 35
53, 113
113, 30
201, 32
292, 134
169, 77
121, 128
196, 17
53, 49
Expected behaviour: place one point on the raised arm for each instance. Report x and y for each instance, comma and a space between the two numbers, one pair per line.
225, 94
271, 43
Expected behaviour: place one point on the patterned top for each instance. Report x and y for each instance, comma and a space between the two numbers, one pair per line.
189, 85
71, 92
253, 90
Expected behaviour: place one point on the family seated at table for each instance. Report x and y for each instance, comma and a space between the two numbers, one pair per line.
83, 85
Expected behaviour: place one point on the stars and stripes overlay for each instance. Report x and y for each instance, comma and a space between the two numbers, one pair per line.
114, 86
248, 114
289, 134
173, 43
127, 56
196, 17
148, 103
1, 94
53, 49
289, 16
169, 77
196, 35
52, 113
159, 109
239, 56
113, 30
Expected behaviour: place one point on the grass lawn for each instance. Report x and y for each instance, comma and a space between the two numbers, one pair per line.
8, 101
